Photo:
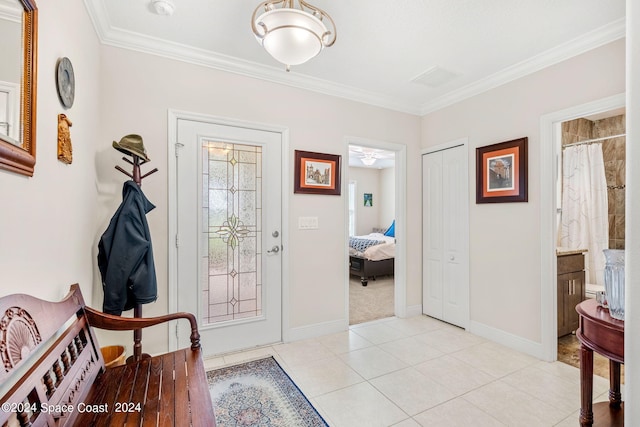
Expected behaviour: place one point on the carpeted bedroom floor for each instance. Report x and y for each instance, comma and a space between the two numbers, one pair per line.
371, 302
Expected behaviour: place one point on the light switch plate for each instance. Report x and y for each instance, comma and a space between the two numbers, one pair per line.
308, 223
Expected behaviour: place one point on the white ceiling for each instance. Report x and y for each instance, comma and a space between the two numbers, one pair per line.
381, 46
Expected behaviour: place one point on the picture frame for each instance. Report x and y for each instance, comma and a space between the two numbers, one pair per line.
316, 173
368, 199
501, 172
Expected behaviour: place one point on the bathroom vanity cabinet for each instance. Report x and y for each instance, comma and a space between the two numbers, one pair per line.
571, 290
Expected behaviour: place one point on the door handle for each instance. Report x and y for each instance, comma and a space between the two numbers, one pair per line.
274, 250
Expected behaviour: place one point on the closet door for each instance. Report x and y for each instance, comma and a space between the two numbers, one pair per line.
432, 236
446, 235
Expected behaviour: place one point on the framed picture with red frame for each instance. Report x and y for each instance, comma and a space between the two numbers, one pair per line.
316, 173
501, 172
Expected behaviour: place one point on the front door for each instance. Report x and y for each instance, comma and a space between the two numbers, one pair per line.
228, 207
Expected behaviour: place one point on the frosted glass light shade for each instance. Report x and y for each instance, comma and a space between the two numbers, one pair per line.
291, 36
368, 160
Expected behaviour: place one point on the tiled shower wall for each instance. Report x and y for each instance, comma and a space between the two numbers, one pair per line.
614, 165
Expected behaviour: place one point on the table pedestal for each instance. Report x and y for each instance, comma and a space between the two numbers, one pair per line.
601, 333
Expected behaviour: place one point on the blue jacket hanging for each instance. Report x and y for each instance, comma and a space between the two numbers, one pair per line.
125, 254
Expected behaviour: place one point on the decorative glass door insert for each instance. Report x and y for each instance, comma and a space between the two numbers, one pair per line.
231, 264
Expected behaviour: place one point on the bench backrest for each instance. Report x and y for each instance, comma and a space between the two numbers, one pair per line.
51, 357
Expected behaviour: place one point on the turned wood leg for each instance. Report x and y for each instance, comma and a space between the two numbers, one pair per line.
586, 386
615, 397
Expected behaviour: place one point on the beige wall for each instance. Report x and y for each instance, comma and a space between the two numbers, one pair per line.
48, 222
505, 238
50, 231
367, 181
632, 206
387, 196
138, 89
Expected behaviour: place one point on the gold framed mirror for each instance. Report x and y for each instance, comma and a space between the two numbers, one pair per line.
18, 146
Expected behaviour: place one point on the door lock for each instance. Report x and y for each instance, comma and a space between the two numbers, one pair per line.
274, 250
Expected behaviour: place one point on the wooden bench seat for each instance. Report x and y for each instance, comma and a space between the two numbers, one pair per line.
57, 377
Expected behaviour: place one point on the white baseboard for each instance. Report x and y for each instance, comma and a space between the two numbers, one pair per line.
507, 339
332, 327
315, 330
414, 310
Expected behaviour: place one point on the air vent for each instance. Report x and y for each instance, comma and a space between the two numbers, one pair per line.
435, 76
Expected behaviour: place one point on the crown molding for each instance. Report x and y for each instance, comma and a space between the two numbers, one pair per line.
594, 39
117, 37
11, 13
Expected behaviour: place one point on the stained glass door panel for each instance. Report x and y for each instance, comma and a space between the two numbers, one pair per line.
229, 179
232, 227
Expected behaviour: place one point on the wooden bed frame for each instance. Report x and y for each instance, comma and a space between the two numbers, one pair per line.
368, 269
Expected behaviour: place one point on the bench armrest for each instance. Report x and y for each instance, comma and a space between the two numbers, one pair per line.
97, 319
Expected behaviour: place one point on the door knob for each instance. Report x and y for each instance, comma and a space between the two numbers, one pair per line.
274, 250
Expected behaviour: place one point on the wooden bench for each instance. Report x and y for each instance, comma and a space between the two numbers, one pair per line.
54, 373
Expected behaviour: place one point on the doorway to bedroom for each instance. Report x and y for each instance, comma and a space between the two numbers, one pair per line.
372, 240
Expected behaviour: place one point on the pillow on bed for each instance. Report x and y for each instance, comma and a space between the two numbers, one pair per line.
391, 231
361, 245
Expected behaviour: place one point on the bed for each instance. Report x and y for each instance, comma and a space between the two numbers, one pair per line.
371, 255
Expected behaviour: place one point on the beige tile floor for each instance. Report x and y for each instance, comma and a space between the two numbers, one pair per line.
423, 372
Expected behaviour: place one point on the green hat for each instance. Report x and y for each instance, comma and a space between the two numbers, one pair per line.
132, 145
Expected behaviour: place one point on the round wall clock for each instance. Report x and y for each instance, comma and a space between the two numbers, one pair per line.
66, 82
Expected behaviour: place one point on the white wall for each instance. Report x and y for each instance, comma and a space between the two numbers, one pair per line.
387, 196
138, 89
367, 181
505, 238
382, 184
632, 230
48, 222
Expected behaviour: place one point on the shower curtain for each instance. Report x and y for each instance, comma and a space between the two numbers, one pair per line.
584, 219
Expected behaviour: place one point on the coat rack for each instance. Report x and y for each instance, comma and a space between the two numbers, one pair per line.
136, 176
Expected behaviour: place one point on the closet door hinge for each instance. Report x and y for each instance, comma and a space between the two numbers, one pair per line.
177, 240
178, 147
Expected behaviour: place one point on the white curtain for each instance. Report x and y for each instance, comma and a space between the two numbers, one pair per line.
584, 218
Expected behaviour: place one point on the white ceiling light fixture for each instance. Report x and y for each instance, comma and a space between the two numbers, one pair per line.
292, 35
163, 7
368, 159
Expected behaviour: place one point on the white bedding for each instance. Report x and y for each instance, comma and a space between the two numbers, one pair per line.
377, 252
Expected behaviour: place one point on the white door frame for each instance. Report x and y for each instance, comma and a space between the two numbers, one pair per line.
550, 142
400, 262
172, 139
464, 142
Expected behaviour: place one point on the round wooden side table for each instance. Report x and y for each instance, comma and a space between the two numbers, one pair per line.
603, 334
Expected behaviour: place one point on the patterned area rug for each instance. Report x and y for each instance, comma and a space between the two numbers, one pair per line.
259, 393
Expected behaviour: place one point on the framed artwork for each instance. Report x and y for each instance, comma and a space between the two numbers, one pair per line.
368, 199
316, 173
501, 172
